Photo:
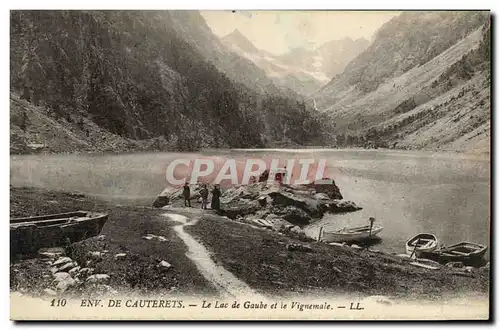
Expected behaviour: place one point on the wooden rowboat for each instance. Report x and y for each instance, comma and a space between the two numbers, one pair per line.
466, 252
422, 242
355, 234
28, 235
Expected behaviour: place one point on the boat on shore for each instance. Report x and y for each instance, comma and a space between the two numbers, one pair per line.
28, 235
466, 252
354, 234
423, 242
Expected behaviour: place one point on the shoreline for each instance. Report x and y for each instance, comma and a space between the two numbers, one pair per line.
257, 256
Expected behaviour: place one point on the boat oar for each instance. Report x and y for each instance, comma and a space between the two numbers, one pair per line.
372, 220
320, 233
414, 249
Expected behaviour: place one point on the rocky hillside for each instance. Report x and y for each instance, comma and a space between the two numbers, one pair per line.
300, 70
424, 83
145, 79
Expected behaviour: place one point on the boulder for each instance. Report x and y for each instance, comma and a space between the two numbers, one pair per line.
85, 272
74, 271
241, 207
239, 192
337, 206
161, 201
98, 279
330, 189
284, 199
295, 216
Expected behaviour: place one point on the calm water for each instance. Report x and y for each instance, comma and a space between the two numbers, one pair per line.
407, 192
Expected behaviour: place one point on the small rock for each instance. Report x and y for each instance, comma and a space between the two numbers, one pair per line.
165, 265
336, 244
149, 237
65, 284
298, 247
120, 256
321, 196
85, 272
50, 292
101, 237
469, 269
74, 271
61, 261
455, 264
61, 276
357, 247
98, 278
67, 267
161, 238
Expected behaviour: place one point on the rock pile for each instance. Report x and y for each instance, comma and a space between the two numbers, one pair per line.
283, 208
68, 276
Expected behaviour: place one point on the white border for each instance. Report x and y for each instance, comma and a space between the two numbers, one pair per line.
194, 4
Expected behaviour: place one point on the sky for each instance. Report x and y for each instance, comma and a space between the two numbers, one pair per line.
279, 31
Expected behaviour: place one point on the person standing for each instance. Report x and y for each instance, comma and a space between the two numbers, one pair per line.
216, 198
186, 193
204, 197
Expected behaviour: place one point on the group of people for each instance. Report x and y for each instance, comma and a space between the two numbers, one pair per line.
216, 193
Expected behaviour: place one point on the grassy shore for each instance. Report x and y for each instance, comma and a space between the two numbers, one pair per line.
260, 258
257, 256
123, 234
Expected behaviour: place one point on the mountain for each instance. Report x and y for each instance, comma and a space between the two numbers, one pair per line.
327, 60
300, 70
423, 83
236, 38
128, 80
289, 77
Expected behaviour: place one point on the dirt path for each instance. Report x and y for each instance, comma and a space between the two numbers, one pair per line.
224, 281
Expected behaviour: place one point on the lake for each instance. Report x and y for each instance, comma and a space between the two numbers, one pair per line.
406, 191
